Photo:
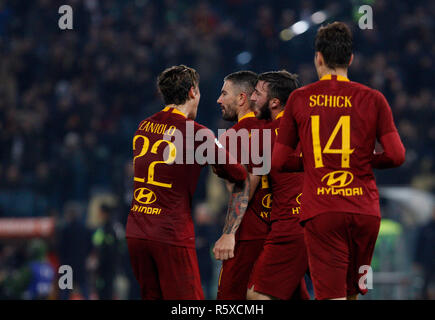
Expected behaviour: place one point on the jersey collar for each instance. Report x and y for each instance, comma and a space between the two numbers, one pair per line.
248, 115
279, 115
338, 77
166, 109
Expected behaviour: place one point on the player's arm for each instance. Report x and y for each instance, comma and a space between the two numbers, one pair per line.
230, 172
254, 181
393, 154
240, 195
284, 157
238, 203
224, 247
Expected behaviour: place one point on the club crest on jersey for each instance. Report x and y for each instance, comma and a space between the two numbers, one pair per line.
267, 201
144, 196
298, 199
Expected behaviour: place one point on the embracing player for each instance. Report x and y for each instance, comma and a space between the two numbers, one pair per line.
240, 245
279, 271
159, 232
338, 122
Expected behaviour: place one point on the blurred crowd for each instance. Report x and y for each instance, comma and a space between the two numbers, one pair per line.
70, 100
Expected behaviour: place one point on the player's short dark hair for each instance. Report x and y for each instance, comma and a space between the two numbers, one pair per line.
334, 41
175, 82
245, 80
280, 84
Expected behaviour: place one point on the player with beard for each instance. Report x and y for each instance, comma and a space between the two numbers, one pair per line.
279, 271
240, 246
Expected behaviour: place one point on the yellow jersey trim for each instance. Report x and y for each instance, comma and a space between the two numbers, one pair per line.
179, 112
329, 77
166, 109
280, 115
248, 115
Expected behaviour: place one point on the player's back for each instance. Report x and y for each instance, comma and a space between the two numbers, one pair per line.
338, 122
163, 189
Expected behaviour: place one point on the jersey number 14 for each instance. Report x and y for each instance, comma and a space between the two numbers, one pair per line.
345, 151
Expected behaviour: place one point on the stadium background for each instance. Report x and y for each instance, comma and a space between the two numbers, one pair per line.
71, 100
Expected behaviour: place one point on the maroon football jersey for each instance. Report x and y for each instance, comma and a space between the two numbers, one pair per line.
286, 193
255, 222
337, 122
163, 187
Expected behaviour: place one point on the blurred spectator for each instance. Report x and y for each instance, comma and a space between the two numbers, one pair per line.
74, 247
425, 257
34, 280
106, 244
70, 101
206, 231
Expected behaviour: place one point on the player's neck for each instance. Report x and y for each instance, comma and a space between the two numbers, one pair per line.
186, 109
337, 72
243, 113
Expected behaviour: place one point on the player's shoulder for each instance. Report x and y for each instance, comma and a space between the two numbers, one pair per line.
364, 87
197, 127
259, 123
369, 94
249, 123
307, 88
272, 124
303, 92
238, 125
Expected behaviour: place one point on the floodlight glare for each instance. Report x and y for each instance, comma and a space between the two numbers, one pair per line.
318, 17
300, 27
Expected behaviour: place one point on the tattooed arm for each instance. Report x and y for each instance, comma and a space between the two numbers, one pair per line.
253, 184
238, 203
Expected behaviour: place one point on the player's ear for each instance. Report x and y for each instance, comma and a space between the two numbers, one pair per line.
274, 103
243, 97
193, 92
351, 59
319, 58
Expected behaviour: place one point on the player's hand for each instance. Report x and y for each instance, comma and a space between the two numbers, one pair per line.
224, 247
